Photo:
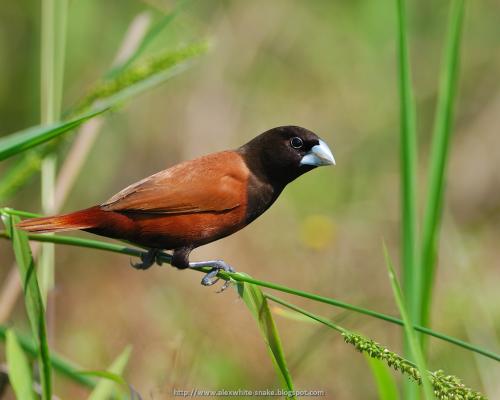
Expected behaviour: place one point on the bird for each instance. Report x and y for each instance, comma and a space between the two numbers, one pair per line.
199, 201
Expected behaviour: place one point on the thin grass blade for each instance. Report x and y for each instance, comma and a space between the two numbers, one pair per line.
31, 137
146, 75
150, 36
411, 336
106, 386
386, 384
257, 304
33, 302
409, 147
443, 129
60, 364
19, 369
409, 192
290, 315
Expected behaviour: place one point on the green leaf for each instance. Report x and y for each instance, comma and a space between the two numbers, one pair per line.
19, 369
105, 387
33, 302
126, 86
106, 375
259, 307
34, 136
155, 30
443, 128
60, 364
142, 77
413, 342
386, 384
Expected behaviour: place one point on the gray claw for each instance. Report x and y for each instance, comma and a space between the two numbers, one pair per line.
217, 265
147, 259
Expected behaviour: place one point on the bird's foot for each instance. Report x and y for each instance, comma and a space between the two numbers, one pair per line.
148, 259
211, 277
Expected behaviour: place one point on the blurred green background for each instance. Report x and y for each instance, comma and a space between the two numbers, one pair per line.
329, 66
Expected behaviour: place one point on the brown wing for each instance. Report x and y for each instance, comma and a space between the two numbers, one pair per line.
213, 183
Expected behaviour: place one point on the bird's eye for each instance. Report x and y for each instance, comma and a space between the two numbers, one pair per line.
296, 142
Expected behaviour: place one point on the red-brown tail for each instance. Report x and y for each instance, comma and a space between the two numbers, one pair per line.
83, 219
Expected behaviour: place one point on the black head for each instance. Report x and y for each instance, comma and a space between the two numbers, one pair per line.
282, 154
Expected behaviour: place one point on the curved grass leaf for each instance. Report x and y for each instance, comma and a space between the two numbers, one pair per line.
105, 387
34, 136
33, 302
19, 370
257, 304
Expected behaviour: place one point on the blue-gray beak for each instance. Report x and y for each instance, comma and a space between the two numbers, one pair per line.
318, 155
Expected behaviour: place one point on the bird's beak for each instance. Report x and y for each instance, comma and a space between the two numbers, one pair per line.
318, 155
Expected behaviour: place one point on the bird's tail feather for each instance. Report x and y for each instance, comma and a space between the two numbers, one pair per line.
83, 219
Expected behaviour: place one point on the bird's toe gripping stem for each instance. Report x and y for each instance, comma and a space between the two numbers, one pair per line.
211, 277
148, 259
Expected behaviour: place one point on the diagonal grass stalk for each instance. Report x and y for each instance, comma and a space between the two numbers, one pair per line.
445, 387
135, 252
126, 86
439, 154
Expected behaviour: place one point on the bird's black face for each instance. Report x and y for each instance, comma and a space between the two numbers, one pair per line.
284, 153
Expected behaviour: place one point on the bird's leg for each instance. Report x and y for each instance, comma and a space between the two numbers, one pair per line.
148, 259
180, 259
217, 265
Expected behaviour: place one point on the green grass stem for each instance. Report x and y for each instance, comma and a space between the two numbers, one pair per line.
257, 303
445, 387
409, 192
123, 249
33, 302
53, 33
439, 154
408, 151
413, 342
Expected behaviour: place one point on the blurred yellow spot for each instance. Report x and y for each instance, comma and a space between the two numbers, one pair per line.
318, 231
